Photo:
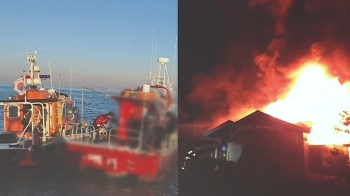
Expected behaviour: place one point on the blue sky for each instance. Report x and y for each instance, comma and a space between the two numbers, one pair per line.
105, 43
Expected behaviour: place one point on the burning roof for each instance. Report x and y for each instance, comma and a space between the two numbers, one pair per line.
224, 126
289, 59
274, 33
255, 118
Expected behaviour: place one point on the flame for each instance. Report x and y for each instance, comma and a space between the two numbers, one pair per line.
319, 98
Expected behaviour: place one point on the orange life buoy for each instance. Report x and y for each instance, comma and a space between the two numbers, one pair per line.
36, 116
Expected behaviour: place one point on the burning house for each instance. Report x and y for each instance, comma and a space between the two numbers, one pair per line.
325, 103
295, 71
221, 135
293, 67
261, 141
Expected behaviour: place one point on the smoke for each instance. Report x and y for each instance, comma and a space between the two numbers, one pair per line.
331, 19
183, 116
311, 30
278, 9
335, 55
225, 94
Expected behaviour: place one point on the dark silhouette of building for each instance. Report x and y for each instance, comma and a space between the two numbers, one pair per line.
261, 143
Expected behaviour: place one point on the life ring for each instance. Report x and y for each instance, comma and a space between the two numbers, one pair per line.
36, 116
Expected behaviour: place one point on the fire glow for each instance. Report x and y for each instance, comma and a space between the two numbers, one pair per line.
319, 98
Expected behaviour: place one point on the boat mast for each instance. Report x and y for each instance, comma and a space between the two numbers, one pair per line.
50, 74
172, 77
160, 76
151, 70
70, 93
59, 85
32, 60
25, 85
155, 54
82, 104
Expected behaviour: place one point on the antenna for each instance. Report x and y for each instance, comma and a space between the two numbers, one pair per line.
70, 95
25, 85
32, 60
151, 70
155, 54
59, 85
82, 104
50, 74
27, 62
172, 77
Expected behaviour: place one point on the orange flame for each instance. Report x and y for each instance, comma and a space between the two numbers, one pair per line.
316, 97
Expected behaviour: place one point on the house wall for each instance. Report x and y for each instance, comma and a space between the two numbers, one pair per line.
324, 157
218, 139
269, 150
221, 154
233, 152
265, 149
306, 153
299, 165
297, 152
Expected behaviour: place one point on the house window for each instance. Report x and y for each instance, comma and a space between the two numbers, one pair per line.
13, 112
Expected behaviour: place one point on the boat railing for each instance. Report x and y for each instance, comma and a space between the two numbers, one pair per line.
21, 137
23, 140
75, 131
20, 144
127, 137
84, 132
133, 137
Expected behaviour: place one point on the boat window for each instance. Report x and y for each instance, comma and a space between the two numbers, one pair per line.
13, 111
75, 110
67, 109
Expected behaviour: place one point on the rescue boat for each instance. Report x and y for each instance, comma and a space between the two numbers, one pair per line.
32, 118
144, 139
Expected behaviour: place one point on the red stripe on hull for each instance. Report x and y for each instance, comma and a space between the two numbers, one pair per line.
117, 161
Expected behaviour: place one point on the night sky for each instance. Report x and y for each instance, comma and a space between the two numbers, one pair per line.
235, 55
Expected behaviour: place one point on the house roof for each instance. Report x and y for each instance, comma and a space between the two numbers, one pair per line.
192, 131
255, 118
261, 118
219, 128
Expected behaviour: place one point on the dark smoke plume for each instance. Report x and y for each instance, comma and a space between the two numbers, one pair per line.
278, 36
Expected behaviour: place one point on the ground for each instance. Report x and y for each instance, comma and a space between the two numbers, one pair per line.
199, 181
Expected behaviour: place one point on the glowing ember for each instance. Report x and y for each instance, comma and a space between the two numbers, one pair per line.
319, 98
